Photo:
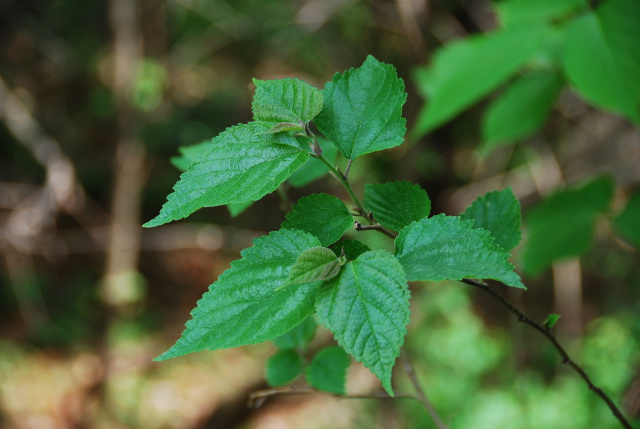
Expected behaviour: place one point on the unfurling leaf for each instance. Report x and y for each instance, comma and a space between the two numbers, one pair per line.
313, 265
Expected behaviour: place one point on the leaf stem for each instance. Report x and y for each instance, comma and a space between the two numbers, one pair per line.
566, 359
375, 227
342, 178
408, 368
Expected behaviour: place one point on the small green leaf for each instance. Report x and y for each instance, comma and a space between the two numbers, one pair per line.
607, 73
396, 204
562, 225
189, 154
551, 320
521, 109
465, 71
324, 216
499, 213
283, 367
242, 164
351, 248
242, 307
362, 110
328, 370
367, 309
449, 248
522, 12
285, 100
314, 169
313, 265
628, 222
298, 337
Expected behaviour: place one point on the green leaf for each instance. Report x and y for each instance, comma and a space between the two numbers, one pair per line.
449, 248
362, 110
499, 213
628, 222
602, 57
313, 265
551, 320
242, 164
367, 309
351, 248
396, 204
189, 154
285, 100
521, 109
283, 367
298, 337
314, 169
328, 370
465, 71
522, 12
324, 216
242, 307
562, 225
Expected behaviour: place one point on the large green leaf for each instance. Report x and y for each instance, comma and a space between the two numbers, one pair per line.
362, 110
499, 213
315, 264
243, 306
602, 57
521, 12
562, 226
463, 72
628, 222
285, 100
367, 309
328, 370
283, 367
324, 216
449, 248
396, 204
242, 164
521, 109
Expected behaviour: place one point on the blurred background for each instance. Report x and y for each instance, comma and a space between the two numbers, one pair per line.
97, 96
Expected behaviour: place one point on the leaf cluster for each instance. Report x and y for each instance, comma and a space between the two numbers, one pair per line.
306, 268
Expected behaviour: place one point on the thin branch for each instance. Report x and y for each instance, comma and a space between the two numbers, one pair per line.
408, 368
566, 359
257, 398
376, 227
